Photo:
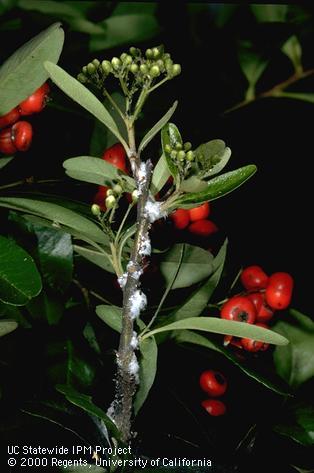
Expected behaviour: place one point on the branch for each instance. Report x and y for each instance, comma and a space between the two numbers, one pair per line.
274, 91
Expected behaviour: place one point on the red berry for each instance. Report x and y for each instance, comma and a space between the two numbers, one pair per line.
239, 308
6, 144
203, 228
22, 134
213, 383
116, 156
279, 291
265, 313
36, 102
180, 218
199, 213
214, 407
231, 340
254, 278
257, 299
10, 118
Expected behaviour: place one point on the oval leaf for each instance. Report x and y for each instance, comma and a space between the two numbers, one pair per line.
222, 326
196, 265
212, 157
111, 315
96, 171
23, 72
160, 176
157, 127
148, 368
5, 161
80, 94
19, 279
170, 135
100, 259
7, 326
57, 214
216, 188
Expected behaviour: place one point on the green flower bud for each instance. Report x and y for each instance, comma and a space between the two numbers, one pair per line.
155, 53
149, 53
82, 78
176, 69
84, 70
160, 64
109, 192
95, 209
91, 68
128, 60
168, 64
116, 63
187, 146
154, 71
166, 56
190, 156
168, 148
106, 66
134, 68
110, 202
96, 62
133, 51
117, 189
178, 146
174, 154
144, 68
181, 155
134, 196
123, 56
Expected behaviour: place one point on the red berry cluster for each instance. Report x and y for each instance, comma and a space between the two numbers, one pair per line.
214, 384
264, 295
17, 134
116, 156
195, 220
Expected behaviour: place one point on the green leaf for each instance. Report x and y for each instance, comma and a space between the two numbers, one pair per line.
55, 252
170, 135
96, 171
5, 161
193, 184
148, 368
19, 278
58, 214
111, 315
198, 300
80, 94
295, 362
216, 188
222, 326
7, 326
296, 95
186, 336
79, 371
124, 29
252, 65
293, 49
22, 73
298, 424
269, 12
212, 157
96, 257
85, 402
160, 176
50, 7
196, 265
157, 127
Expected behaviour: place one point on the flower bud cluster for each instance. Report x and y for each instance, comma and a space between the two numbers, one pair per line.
134, 66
